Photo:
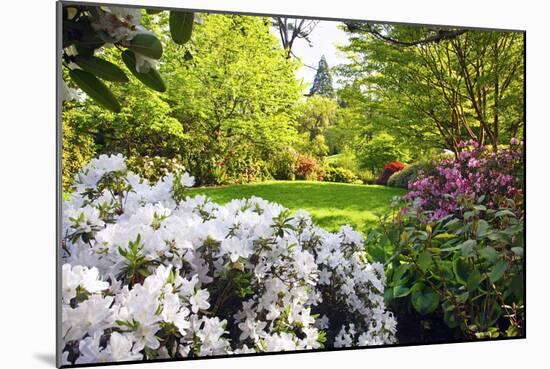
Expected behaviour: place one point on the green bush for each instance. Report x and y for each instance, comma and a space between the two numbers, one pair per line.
463, 272
366, 176
282, 164
154, 168
77, 151
374, 153
337, 174
409, 173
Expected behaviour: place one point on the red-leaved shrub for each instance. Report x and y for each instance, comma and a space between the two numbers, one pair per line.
306, 168
389, 169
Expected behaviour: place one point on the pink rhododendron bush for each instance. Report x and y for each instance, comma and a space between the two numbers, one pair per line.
150, 273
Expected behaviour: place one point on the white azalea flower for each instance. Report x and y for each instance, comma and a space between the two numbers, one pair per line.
190, 249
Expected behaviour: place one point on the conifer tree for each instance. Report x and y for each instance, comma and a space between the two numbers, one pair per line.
322, 84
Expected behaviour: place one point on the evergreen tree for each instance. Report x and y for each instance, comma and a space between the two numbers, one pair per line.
322, 84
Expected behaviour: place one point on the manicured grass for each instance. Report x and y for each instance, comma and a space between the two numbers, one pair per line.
330, 204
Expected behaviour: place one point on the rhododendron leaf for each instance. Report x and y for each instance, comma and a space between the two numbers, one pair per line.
450, 319
101, 68
467, 247
151, 79
146, 44
461, 270
473, 280
401, 291
96, 89
497, 271
400, 274
489, 253
482, 228
424, 299
181, 26
424, 260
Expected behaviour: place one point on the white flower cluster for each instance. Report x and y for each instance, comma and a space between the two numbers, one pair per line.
152, 273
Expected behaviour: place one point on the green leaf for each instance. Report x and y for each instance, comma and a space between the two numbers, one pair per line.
151, 79
498, 271
518, 251
101, 68
482, 228
489, 253
424, 260
444, 236
376, 252
473, 280
449, 317
401, 291
424, 299
388, 295
146, 44
399, 275
453, 224
461, 270
96, 89
504, 212
181, 26
467, 247
84, 50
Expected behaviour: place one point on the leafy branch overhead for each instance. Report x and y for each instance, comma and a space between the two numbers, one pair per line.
88, 30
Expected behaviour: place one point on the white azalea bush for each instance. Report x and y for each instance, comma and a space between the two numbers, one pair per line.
151, 273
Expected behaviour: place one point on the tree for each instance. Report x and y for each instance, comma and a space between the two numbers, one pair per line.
322, 83
373, 153
317, 113
229, 103
235, 97
456, 84
291, 29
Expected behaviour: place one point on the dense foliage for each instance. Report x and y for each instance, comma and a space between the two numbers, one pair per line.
466, 272
151, 273
436, 94
454, 246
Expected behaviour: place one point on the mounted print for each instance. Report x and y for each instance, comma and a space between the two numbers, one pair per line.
244, 184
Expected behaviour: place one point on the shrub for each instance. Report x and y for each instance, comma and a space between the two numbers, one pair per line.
154, 168
307, 168
77, 150
490, 178
282, 164
409, 174
150, 273
366, 176
336, 174
464, 271
389, 169
373, 153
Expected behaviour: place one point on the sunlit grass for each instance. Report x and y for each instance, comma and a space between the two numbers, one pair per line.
330, 204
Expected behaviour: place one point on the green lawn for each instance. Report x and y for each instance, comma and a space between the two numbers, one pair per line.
330, 204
